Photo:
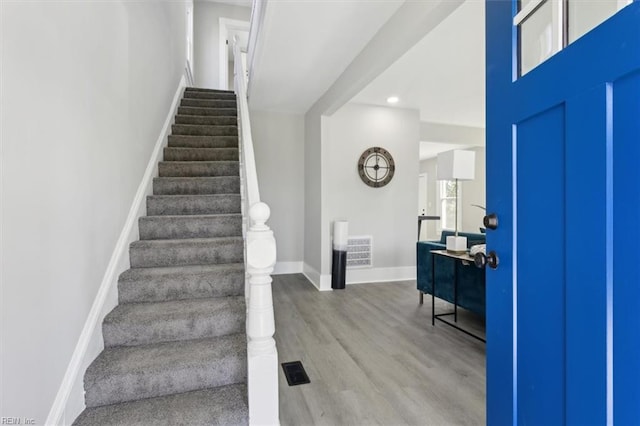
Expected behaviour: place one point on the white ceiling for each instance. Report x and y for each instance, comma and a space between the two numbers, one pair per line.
308, 44
443, 74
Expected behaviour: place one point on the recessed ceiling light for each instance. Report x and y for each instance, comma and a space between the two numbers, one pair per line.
393, 99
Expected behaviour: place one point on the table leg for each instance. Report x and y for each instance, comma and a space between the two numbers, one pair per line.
455, 291
441, 316
433, 290
421, 297
419, 226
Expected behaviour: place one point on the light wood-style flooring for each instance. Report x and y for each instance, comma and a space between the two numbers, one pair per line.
374, 358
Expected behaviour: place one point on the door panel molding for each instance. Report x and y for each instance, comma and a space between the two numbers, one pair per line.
588, 199
625, 318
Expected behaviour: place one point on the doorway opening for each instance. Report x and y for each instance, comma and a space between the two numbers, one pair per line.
443, 77
230, 29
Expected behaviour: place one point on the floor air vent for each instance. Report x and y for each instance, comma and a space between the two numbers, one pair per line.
359, 252
295, 374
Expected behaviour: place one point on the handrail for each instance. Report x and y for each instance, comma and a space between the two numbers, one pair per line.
258, 9
259, 258
253, 193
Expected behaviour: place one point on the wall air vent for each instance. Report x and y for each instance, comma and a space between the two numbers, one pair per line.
360, 252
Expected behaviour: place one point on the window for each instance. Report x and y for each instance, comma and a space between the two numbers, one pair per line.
547, 26
447, 194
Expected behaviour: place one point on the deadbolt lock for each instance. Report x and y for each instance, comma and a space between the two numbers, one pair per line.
491, 221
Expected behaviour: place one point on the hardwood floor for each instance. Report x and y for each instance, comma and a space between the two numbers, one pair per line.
374, 358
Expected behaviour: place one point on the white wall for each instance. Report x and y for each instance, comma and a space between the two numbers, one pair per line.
312, 195
206, 33
278, 140
452, 133
86, 87
473, 192
387, 213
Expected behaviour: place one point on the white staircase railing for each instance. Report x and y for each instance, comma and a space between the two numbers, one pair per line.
259, 260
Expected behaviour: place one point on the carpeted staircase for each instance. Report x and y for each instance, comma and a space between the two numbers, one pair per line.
175, 346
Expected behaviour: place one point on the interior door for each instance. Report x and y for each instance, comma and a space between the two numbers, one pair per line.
563, 171
422, 204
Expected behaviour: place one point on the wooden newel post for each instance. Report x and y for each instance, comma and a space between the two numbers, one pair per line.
262, 353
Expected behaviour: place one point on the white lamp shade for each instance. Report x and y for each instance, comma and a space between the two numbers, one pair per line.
456, 164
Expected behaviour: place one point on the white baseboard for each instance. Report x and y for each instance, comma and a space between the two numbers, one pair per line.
287, 268
377, 275
69, 401
361, 276
321, 282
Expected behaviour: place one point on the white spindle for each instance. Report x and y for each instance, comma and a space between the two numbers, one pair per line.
259, 259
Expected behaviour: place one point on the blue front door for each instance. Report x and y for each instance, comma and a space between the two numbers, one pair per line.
563, 176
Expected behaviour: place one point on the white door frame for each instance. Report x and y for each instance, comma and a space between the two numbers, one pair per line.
189, 66
225, 25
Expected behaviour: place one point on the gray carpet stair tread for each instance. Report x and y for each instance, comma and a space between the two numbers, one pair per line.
195, 226
210, 96
208, 103
204, 130
201, 154
125, 373
181, 282
131, 324
196, 185
198, 168
204, 89
191, 141
199, 94
207, 111
193, 204
225, 405
175, 345
221, 120
195, 251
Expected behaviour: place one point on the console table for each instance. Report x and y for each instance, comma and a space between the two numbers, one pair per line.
457, 258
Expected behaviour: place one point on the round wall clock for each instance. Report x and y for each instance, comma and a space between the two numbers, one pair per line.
376, 167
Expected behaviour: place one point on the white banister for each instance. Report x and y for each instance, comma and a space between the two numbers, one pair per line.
259, 259
257, 18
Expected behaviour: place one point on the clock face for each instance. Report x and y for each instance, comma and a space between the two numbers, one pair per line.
376, 167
